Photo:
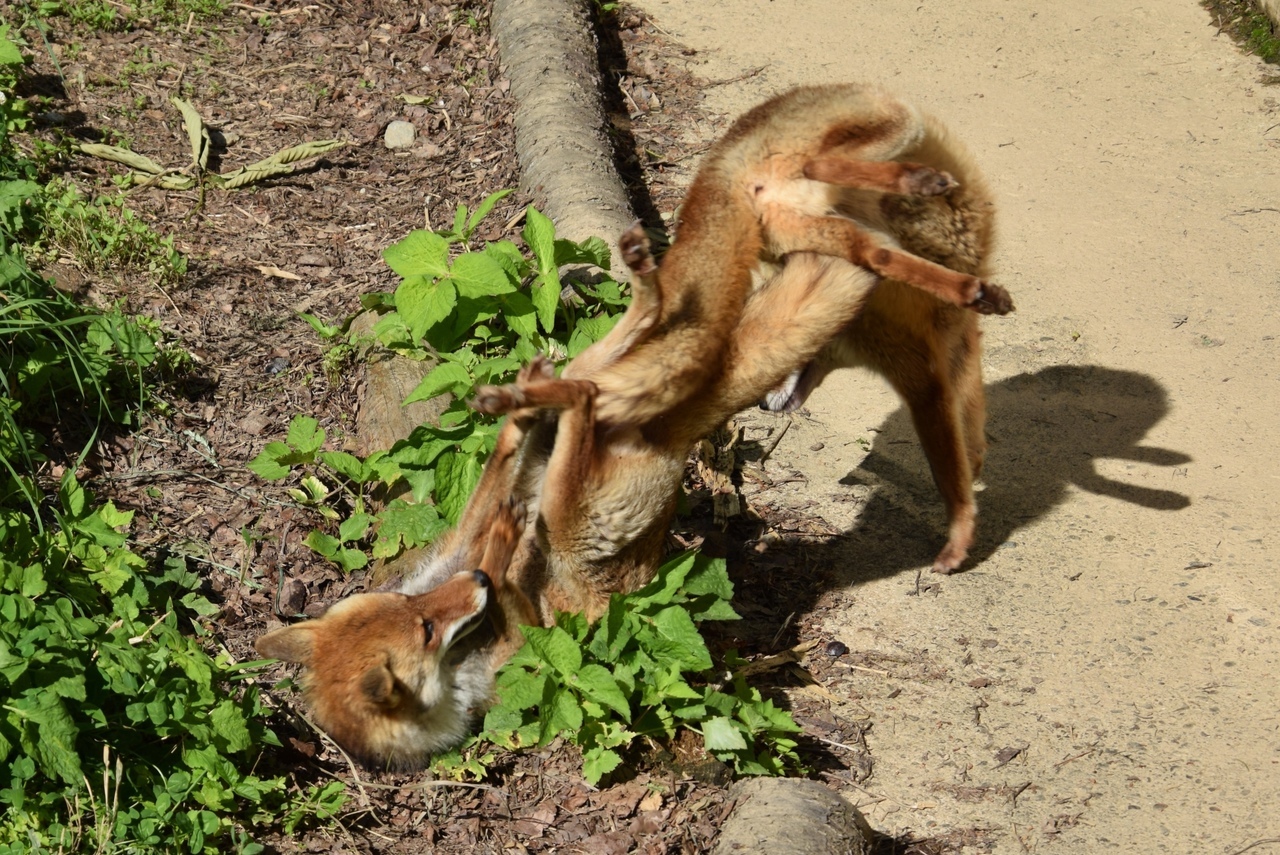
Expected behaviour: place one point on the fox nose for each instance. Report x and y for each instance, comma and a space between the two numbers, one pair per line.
481, 578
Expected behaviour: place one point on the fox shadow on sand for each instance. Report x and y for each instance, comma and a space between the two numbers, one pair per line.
1047, 430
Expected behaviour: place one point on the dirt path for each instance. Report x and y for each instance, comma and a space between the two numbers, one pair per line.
1118, 623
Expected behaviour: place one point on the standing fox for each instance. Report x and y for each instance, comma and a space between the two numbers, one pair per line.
598, 454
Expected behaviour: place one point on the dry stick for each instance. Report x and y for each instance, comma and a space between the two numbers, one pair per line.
350, 763
777, 439
1257, 843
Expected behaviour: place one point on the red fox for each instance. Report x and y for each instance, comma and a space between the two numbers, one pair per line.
598, 454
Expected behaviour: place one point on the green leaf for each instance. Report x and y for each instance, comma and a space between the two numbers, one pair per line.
9, 53
325, 544
520, 314
478, 274
267, 464
350, 559
482, 210
597, 683
555, 647
564, 713
228, 722
456, 478
420, 253
305, 435
423, 303
722, 734
354, 527
406, 524
445, 377
347, 465
54, 747
593, 250
676, 639
598, 762
520, 690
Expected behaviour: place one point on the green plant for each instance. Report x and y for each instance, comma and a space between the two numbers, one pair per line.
481, 314
115, 17
102, 234
119, 731
642, 672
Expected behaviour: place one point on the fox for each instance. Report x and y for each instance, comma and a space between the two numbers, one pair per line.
594, 458
849, 172
928, 350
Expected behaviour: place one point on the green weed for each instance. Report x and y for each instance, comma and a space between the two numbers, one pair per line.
118, 730
481, 314
643, 672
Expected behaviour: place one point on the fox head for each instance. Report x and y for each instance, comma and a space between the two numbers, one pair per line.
389, 676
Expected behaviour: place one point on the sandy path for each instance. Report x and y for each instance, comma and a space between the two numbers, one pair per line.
1123, 602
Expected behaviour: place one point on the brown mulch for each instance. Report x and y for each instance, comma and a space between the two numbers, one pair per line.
272, 74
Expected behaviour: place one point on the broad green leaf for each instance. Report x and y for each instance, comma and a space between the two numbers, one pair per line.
350, 559
598, 762
520, 314
546, 299
305, 435
406, 524
593, 250
424, 302
540, 234
520, 690
420, 253
325, 544
597, 683
670, 578
267, 464
478, 274
456, 478
556, 647
563, 714
445, 377
354, 527
676, 639
347, 465
54, 747
228, 722
722, 734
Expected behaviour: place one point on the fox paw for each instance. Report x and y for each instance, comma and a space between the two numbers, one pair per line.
634, 245
538, 368
991, 300
497, 400
927, 181
510, 520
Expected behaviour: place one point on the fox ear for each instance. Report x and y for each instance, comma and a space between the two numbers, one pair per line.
379, 686
289, 643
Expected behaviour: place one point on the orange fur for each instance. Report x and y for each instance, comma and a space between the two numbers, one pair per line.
599, 453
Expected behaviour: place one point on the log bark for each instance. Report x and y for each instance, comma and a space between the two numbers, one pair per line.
548, 48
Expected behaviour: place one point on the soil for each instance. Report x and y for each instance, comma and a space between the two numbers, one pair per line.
1102, 676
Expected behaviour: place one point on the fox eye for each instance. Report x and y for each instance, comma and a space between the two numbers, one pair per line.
428, 631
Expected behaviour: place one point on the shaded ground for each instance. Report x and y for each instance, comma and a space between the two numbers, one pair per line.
273, 75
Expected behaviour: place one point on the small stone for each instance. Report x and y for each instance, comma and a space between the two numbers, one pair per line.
835, 648
399, 135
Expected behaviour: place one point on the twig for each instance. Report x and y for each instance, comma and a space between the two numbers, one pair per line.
1256, 843
777, 439
746, 75
1067, 760
852, 749
351, 764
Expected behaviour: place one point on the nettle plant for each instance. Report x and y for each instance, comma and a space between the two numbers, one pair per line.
481, 314
641, 674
